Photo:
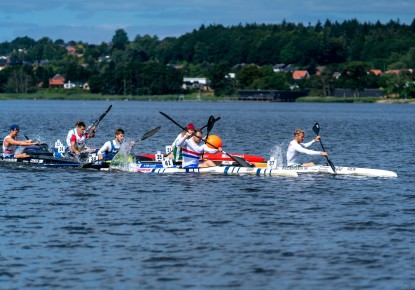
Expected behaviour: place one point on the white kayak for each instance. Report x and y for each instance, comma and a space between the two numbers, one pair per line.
155, 167
354, 171
225, 170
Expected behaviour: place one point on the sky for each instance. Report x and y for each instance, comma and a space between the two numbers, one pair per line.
95, 21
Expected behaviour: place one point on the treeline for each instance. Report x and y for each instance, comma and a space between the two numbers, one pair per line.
149, 65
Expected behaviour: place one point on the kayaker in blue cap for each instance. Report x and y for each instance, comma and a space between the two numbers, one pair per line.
10, 144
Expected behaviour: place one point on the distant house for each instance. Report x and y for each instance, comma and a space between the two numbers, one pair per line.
376, 72
196, 84
279, 67
282, 67
57, 81
71, 85
72, 50
300, 74
106, 58
398, 71
336, 75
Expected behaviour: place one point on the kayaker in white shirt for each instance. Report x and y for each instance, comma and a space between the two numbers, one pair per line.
10, 144
110, 148
297, 146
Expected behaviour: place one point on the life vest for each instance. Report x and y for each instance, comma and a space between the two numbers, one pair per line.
113, 149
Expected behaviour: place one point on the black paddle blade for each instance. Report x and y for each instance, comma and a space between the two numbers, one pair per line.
210, 123
242, 162
97, 121
316, 128
150, 133
214, 121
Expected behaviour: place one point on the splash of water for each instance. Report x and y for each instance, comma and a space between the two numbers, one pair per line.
123, 158
278, 153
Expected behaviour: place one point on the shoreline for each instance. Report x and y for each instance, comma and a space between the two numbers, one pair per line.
192, 98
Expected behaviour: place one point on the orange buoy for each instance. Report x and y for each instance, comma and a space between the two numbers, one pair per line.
214, 140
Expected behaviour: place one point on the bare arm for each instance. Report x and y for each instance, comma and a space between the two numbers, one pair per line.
11, 141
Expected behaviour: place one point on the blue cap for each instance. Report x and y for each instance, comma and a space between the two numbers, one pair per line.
14, 127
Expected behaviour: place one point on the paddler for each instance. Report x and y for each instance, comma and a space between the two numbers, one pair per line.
192, 150
176, 153
297, 146
110, 148
76, 139
10, 144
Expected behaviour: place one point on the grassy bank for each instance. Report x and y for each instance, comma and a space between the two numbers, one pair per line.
86, 96
190, 97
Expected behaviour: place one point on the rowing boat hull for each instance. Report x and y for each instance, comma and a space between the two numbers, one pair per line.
157, 167
224, 170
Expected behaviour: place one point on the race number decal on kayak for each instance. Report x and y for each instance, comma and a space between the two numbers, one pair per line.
271, 162
167, 162
59, 146
158, 156
169, 149
93, 158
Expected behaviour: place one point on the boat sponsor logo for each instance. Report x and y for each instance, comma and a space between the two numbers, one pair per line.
144, 169
37, 161
10, 159
148, 165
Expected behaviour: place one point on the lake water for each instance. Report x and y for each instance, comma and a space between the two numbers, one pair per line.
85, 229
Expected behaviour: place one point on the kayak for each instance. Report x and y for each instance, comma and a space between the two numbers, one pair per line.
160, 167
225, 170
44, 158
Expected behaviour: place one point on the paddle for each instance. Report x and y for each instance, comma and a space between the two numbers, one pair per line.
146, 135
43, 146
316, 129
212, 120
242, 162
97, 121
209, 126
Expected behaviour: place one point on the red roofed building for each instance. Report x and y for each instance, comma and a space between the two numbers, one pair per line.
300, 74
376, 72
57, 81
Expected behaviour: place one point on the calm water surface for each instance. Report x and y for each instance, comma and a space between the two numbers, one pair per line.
74, 229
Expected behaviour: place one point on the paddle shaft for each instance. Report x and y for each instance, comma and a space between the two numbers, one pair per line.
316, 129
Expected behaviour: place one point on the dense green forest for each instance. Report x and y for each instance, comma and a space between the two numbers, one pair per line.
148, 65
